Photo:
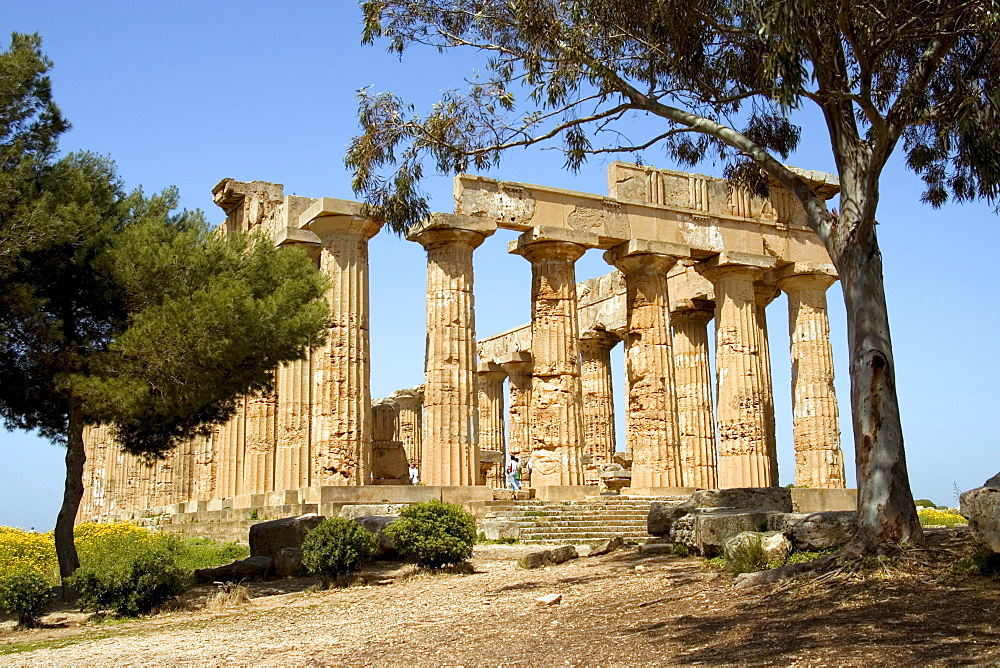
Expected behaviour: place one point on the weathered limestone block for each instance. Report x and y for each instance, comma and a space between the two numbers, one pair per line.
663, 515
292, 466
261, 439
288, 562
708, 530
749, 498
389, 462
501, 530
816, 531
556, 394
491, 468
819, 461
652, 429
606, 547
376, 524
451, 401
744, 456
548, 557
981, 506
266, 538
353, 511
775, 544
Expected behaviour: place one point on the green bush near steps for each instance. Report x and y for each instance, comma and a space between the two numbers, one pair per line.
337, 547
433, 534
26, 594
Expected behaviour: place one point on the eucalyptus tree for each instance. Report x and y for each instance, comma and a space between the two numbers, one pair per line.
722, 79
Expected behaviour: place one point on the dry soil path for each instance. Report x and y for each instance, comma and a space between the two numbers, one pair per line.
620, 609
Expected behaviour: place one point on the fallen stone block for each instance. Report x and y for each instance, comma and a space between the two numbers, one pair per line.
662, 516
548, 557
376, 524
981, 506
744, 498
816, 531
562, 554
253, 568
266, 538
550, 599
606, 547
288, 562
501, 530
656, 549
355, 510
705, 532
774, 544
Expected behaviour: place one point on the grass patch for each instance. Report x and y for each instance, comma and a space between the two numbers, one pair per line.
980, 562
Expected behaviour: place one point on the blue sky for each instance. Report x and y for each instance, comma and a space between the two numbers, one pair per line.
188, 93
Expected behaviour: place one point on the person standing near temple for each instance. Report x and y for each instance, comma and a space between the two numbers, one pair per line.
514, 473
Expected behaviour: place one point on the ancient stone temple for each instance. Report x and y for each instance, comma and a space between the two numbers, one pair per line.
683, 250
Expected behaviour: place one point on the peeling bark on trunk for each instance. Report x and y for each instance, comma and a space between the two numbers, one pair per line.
887, 517
69, 561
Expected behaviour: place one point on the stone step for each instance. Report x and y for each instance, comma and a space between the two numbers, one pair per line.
610, 516
581, 537
582, 524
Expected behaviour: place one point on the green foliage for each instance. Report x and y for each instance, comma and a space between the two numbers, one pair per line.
26, 594
926, 503
805, 556
433, 534
481, 539
681, 550
746, 556
130, 577
337, 547
194, 553
981, 562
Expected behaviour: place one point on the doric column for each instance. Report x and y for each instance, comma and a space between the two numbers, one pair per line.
598, 399
819, 461
261, 440
292, 468
517, 365
744, 460
764, 294
451, 401
409, 422
556, 394
693, 380
652, 401
490, 379
341, 395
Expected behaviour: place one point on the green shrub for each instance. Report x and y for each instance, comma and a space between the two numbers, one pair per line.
336, 547
196, 553
804, 556
130, 579
981, 562
926, 503
681, 550
746, 556
433, 534
26, 594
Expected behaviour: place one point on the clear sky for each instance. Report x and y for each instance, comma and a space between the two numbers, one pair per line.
188, 93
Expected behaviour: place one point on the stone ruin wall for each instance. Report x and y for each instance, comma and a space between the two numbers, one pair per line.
717, 254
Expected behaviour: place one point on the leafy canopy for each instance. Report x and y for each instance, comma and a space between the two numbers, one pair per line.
721, 75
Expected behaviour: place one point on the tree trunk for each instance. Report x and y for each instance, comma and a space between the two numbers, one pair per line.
69, 561
887, 516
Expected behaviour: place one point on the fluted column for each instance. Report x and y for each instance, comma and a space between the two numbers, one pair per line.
292, 469
556, 391
819, 461
517, 365
744, 459
490, 379
651, 414
341, 395
409, 422
693, 380
451, 401
598, 400
764, 294
260, 444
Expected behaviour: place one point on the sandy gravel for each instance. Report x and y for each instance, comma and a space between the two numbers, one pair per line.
620, 609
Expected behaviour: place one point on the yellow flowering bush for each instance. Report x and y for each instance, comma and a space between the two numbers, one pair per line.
935, 517
26, 551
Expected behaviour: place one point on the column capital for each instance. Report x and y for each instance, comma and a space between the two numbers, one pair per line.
693, 310
490, 371
804, 275
764, 293
650, 256
732, 262
445, 228
597, 340
410, 399
515, 362
327, 216
547, 242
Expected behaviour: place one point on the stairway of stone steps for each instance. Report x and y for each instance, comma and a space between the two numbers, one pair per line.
589, 521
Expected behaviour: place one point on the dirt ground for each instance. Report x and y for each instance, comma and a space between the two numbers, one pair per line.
619, 609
